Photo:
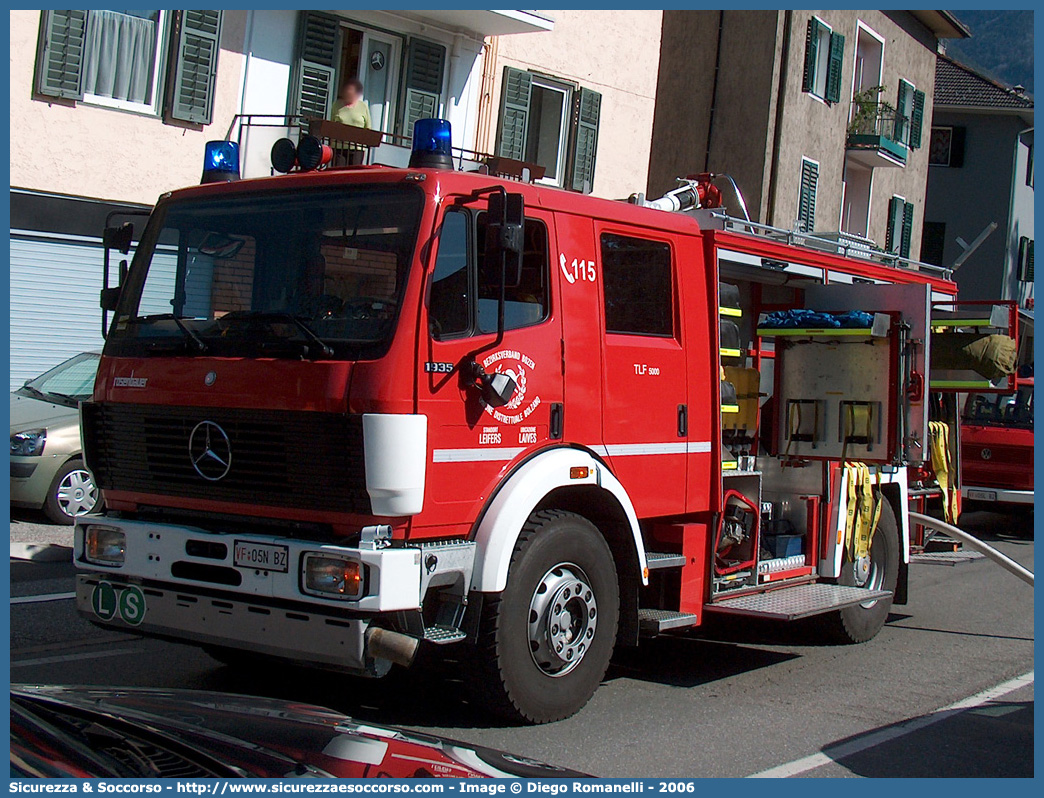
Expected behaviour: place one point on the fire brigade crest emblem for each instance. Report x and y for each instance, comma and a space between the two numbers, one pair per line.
519, 367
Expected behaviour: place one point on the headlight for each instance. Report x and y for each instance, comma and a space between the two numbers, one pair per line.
28, 443
332, 576
104, 545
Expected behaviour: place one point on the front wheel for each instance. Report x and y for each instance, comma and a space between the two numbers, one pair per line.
72, 494
859, 623
545, 642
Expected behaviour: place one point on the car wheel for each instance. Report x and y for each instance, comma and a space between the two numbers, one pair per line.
859, 623
545, 641
72, 494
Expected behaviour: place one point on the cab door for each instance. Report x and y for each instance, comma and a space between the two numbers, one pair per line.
645, 407
472, 444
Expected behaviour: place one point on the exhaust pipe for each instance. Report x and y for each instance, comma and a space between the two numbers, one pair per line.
392, 646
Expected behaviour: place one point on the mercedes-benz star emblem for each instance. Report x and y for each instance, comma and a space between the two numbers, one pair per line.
210, 451
210, 379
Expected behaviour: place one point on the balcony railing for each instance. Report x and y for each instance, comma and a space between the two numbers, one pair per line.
256, 133
877, 126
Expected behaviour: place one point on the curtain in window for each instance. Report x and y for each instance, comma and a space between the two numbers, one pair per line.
119, 55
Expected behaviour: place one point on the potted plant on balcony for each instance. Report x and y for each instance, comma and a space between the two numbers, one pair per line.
867, 108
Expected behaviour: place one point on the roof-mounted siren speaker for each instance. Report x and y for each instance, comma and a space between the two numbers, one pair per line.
432, 144
220, 162
308, 154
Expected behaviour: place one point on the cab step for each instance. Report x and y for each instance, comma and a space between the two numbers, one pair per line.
443, 635
652, 622
663, 559
800, 601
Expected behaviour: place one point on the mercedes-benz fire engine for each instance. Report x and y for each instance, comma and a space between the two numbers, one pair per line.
344, 412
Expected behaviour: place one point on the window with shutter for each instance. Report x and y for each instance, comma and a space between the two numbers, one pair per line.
806, 215
837, 56
893, 232
811, 46
1026, 259
319, 50
192, 95
515, 97
916, 120
907, 232
60, 58
425, 72
587, 111
903, 112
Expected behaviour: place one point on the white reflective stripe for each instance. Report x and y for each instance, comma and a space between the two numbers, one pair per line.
475, 455
496, 454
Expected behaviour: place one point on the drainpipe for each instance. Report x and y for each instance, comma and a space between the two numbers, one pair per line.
714, 93
485, 107
784, 63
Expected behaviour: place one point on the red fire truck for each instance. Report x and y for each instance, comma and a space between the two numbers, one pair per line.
344, 412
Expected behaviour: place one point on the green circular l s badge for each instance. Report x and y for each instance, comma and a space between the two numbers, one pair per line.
128, 604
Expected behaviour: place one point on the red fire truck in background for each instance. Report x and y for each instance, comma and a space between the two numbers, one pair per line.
345, 412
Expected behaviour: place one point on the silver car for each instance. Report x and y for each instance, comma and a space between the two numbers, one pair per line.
47, 470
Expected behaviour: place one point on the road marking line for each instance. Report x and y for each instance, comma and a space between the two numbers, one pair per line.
25, 663
42, 597
874, 739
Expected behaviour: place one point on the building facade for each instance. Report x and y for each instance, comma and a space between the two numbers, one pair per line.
981, 173
819, 116
134, 96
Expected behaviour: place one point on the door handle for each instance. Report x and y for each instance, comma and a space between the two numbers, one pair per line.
683, 421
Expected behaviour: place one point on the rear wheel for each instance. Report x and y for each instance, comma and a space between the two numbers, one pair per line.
72, 494
859, 623
545, 642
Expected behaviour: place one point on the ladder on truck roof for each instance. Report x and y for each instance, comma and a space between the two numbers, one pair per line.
844, 245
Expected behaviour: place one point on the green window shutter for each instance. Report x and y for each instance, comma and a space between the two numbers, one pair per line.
807, 195
60, 58
587, 109
1026, 259
318, 55
907, 234
425, 70
1029, 263
916, 120
192, 96
808, 78
837, 61
514, 114
896, 207
901, 128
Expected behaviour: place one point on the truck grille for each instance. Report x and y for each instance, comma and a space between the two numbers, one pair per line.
278, 458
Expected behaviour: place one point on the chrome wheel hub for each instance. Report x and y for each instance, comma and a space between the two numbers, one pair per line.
77, 493
563, 617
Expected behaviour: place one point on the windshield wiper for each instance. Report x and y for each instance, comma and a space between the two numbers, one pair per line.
199, 344
297, 321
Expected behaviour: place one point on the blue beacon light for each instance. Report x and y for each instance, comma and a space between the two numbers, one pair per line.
432, 145
220, 162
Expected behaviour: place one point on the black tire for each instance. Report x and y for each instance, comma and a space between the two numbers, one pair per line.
56, 507
858, 624
506, 679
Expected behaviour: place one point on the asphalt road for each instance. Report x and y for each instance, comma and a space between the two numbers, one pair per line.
736, 700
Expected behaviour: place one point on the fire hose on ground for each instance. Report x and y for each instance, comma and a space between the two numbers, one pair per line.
1002, 560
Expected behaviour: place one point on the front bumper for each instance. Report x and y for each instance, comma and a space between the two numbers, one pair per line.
291, 632
998, 495
31, 478
221, 604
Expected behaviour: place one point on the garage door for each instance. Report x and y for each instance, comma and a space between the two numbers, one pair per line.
54, 301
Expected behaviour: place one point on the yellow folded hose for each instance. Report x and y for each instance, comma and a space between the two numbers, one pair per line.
863, 512
942, 464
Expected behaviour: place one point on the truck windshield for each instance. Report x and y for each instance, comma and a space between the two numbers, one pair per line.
1001, 410
319, 274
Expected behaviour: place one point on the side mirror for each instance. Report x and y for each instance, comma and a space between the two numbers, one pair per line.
119, 238
505, 240
496, 389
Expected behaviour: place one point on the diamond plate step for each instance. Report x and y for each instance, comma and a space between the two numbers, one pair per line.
946, 557
441, 635
652, 622
800, 601
663, 559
